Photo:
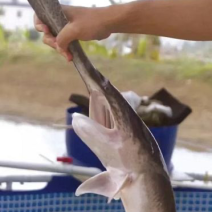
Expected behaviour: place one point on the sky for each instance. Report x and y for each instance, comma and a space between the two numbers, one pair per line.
80, 2
90, 2
10, 20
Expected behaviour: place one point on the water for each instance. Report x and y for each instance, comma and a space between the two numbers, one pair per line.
25, 142
185, 160
28, 143
22, 142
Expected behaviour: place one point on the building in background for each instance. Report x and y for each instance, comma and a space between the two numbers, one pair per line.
18, 14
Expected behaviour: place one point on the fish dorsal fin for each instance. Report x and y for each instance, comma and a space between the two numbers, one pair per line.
104, 184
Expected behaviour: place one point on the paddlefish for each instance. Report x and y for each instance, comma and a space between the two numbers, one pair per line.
135, 168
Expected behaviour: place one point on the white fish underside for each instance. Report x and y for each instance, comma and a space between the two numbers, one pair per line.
135, 171
131, 174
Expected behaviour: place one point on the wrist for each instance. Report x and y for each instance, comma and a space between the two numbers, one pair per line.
114, 18
131, 17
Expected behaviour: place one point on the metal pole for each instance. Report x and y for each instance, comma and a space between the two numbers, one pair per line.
55, 168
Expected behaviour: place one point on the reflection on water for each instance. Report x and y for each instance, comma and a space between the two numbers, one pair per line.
26, 143
192, 162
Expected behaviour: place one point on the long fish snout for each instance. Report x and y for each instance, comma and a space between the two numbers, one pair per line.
93, 134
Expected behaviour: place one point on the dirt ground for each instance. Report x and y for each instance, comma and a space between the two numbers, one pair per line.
38, 89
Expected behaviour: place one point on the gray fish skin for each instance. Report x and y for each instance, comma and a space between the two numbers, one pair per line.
136, 171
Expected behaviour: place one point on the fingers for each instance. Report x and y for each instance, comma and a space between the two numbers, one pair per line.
66, 54
37, 21
39, 26
50, 40
66, 36
63, 39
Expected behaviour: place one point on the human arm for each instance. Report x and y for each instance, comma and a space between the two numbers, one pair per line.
182, 19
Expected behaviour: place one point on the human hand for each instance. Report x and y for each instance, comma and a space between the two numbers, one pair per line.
84, 24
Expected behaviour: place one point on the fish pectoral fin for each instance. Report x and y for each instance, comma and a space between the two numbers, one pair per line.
103, 184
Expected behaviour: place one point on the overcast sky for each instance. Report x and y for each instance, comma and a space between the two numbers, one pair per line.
96, 2
81, 2
90, 2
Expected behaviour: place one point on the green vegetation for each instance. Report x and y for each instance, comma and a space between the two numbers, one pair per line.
34, 76
146, 47
185, 68
28, 44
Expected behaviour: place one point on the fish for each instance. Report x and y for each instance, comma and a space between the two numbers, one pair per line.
135, 171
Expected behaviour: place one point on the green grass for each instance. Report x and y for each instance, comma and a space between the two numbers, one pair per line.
129, 69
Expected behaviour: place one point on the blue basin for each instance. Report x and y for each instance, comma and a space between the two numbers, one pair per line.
83, 156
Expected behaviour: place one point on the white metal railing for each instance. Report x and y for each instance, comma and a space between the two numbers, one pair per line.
9, 180
54, 168
81, 173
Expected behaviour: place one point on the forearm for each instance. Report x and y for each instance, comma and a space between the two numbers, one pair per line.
183, 19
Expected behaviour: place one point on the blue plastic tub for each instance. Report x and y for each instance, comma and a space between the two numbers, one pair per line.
166, 138
83, 156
